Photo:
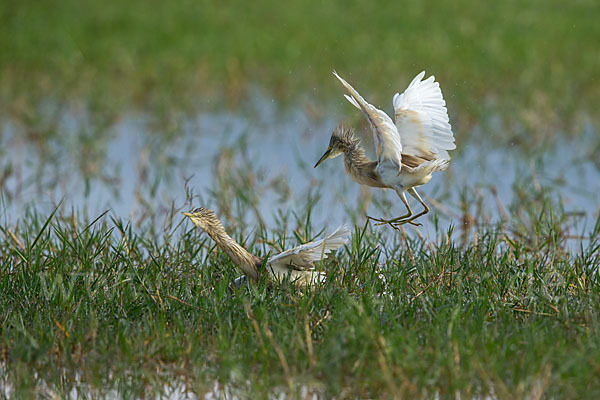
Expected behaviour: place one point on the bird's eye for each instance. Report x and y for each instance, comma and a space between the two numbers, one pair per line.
197, 210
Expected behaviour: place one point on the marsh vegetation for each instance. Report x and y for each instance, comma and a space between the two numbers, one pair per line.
115, 118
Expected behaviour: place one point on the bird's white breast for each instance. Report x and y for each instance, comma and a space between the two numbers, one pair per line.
406, 179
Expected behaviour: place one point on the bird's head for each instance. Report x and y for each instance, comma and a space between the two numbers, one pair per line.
202, 217
342, 140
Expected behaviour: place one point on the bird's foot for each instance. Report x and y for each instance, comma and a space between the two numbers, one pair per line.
394, 223
381, 221
399, 223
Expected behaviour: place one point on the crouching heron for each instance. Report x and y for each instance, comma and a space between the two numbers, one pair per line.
408, 151
296, 263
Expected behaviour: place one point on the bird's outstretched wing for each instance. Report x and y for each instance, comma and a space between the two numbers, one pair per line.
303, 257
422, 119
389, 145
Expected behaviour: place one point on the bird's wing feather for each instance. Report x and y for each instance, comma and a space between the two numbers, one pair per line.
303, 257
385, 132
422, 119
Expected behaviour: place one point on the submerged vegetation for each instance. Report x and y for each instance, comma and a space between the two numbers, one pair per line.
498, 296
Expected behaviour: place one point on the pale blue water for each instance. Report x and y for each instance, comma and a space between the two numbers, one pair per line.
141, 172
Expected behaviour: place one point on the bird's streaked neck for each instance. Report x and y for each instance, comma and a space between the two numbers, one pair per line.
360, 168
239, 255
355, 155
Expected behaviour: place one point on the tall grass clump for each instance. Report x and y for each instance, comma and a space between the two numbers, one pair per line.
103, 307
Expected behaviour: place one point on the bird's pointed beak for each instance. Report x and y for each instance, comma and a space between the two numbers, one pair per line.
323, 157
188, 214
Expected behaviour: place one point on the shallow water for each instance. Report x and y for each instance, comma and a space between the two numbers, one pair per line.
132, 170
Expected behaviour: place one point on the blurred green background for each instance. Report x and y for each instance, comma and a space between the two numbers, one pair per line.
535, 64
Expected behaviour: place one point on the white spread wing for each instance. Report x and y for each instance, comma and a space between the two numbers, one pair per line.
422, 119
389, 146
303, 257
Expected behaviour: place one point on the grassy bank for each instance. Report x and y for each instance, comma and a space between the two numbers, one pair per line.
535, 63
102, 306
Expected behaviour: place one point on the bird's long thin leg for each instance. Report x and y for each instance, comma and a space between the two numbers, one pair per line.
407, 215
398, 219
410, 220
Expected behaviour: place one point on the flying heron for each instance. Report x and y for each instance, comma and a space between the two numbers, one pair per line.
296, 263
408, 151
